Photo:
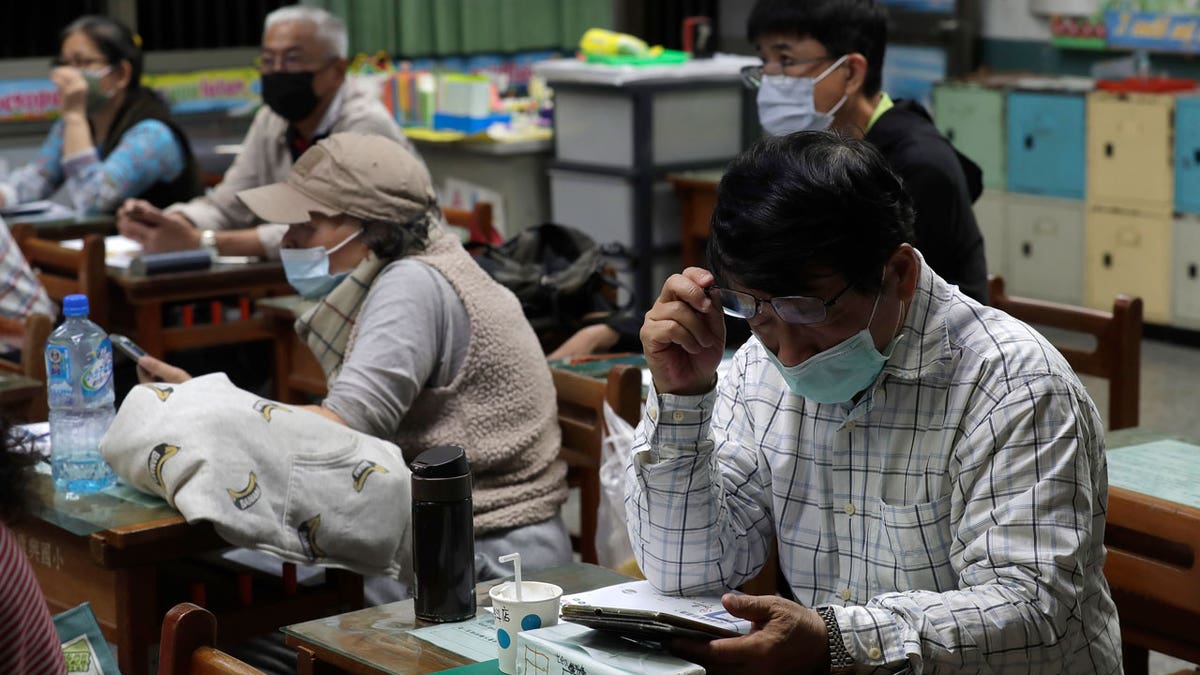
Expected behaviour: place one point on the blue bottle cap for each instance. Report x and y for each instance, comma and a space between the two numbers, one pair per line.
75, 305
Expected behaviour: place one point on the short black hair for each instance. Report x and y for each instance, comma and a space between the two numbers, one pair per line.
842, 26
114, 39
794, 208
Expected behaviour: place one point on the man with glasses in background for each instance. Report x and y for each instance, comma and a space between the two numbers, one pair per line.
823, 69
930, 471
303, 65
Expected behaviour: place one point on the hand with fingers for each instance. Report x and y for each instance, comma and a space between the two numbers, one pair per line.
150, 369
684, 334
72, 89
785, 638
154, 229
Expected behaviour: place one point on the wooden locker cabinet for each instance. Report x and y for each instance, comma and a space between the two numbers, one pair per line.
1185, 269
992, 215
1130, 252
972, 118
1045, 248
1130, 151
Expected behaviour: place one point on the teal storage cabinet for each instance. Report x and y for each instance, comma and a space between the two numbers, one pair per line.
1047, 142
1187, 154
972, 118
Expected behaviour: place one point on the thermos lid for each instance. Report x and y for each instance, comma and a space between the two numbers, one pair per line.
441, 474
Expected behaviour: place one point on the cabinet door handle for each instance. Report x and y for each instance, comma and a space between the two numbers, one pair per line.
1028, 141
950, 134
1108, 260
1192, 271
1108, 149
1026, 249
1196, 156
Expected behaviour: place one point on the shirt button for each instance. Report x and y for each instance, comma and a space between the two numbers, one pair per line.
874, 653
654, 414
845, 594
850, 425
677, 416
849, 508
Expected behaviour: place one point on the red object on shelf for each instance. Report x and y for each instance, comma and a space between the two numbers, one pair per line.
244, 305
189, 318
1147, 85
216, 312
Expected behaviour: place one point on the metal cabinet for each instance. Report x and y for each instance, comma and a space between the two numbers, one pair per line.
1045, 248
972, 118
1129, 252
1129, 151
1046, 144
1185, 272
1187, 154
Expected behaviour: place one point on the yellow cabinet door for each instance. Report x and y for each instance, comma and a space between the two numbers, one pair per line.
1129, 151
1130, 253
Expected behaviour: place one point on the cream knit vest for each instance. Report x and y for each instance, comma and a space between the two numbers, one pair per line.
500, 407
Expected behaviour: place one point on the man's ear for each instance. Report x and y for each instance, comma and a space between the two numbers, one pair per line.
904, 270
856, 68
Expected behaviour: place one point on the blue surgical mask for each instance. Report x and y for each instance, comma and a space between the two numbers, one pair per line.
307, 269
787, 104
838, 373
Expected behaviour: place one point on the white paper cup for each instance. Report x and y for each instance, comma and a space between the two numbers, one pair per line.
538, 608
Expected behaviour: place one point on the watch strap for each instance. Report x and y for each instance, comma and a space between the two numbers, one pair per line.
839, 658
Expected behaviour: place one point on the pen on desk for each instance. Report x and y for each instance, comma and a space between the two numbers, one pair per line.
598, 357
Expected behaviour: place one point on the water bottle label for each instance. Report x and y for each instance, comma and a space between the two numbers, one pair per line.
98, 374
58, 372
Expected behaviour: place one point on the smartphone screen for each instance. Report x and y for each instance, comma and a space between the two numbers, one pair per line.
127, 347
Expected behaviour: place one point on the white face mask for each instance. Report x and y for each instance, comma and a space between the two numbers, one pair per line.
307, 269
787, 104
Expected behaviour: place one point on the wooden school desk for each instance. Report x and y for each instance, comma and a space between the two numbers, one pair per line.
1153, 564
137, 304
116, 549
59, 227
378, 640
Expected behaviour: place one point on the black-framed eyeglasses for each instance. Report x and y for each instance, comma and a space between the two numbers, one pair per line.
794, 309
268, 62
752, 76
81, 63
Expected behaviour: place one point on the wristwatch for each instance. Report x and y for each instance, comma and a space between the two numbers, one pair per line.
208, 241
839, 658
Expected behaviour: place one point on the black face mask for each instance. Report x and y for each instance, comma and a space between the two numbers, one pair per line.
289, 94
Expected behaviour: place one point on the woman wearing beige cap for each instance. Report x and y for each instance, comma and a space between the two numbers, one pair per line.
420, 346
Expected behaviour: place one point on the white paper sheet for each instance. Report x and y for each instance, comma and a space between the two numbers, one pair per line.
119, 250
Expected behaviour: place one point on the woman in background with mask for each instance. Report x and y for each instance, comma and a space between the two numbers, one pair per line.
115, 139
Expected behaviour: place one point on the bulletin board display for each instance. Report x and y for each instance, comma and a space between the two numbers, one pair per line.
1154, 25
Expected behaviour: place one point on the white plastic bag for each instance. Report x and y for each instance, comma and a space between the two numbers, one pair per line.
612, 536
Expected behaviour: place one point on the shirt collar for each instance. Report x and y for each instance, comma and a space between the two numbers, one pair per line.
925, 348
333, 113
885, 104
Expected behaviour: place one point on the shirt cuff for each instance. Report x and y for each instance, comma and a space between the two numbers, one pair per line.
871, 637
74, 165
9, 193
676, 425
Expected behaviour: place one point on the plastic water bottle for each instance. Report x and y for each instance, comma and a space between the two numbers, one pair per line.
80, 388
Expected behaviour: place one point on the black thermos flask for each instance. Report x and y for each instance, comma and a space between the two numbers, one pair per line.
443, 535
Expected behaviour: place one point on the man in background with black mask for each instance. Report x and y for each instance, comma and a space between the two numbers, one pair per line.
307, 96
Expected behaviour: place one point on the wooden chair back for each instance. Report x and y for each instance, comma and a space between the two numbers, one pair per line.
581, 418
189, 636
63, 271
1153, 569
1117, 356
477, 221
30, 337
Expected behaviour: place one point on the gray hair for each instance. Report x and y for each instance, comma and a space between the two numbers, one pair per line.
330, 29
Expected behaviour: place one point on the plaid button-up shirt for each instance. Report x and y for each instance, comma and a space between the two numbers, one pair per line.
953, 516
20, 292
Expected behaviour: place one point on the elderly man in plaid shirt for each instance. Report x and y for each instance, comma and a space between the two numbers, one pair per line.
21, 294
930, 470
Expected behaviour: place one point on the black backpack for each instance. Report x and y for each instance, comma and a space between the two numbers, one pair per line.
558, 273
